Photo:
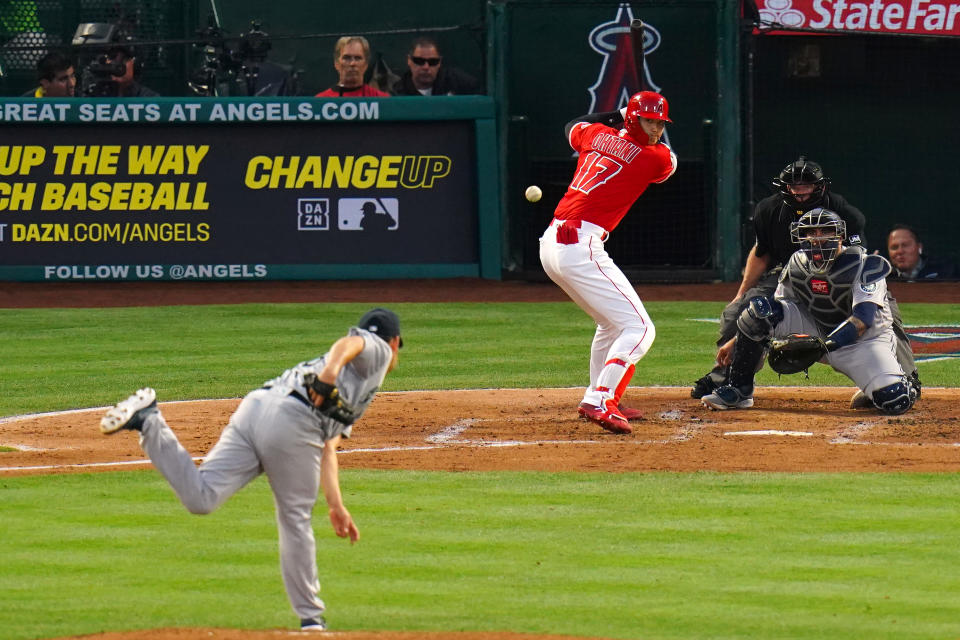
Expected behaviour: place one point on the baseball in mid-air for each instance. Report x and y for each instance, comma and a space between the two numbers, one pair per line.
533, 193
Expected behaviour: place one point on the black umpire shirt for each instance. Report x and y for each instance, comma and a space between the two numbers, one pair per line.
772, 219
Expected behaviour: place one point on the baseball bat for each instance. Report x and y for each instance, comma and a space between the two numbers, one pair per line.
636, 36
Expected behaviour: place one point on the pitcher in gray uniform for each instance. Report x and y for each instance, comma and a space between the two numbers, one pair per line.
289, 429
834, 292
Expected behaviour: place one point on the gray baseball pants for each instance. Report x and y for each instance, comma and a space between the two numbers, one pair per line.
766, 287
269, 433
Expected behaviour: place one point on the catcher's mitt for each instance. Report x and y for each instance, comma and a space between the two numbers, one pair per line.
795, 353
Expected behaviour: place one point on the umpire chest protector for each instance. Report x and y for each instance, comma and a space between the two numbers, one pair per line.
829, 297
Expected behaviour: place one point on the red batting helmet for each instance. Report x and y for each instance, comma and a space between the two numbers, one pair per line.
646, 104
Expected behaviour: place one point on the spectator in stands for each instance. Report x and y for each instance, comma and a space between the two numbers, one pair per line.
428, 76
908, 260
351, 57
56, 77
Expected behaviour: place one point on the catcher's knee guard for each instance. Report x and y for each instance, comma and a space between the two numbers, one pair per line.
760, 317
895, 398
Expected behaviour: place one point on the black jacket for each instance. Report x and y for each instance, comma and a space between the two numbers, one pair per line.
930, 269
450, 81
772, 219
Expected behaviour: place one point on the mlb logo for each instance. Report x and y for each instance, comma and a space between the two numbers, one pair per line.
368, 214
820, 286
313, 214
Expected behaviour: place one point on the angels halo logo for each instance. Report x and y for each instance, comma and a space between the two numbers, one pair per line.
618, 79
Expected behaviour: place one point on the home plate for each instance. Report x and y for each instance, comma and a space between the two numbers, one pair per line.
768, 432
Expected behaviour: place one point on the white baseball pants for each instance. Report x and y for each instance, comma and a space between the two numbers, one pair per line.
573, 256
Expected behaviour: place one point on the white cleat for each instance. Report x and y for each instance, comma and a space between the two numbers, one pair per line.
130, 413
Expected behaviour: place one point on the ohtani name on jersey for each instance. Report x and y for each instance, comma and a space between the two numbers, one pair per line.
615, 146
820, 286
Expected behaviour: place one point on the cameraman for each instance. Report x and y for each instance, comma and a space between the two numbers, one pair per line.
120, 81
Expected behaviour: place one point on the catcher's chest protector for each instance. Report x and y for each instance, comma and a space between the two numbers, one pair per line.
829, 297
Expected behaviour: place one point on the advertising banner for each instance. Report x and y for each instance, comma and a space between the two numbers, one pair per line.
913, 17
241, 200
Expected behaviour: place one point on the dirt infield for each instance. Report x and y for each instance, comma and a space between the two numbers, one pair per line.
789, 429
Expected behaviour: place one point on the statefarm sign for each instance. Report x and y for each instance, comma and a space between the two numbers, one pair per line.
919, 17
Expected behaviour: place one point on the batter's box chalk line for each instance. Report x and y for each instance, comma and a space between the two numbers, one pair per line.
451, 436
851, 434
770, 432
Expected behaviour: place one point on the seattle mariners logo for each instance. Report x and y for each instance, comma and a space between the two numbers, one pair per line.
618, 80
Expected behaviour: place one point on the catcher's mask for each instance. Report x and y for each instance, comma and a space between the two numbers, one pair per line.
820, 233
802, 172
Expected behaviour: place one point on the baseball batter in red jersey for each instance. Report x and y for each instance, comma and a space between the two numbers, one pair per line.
620, 155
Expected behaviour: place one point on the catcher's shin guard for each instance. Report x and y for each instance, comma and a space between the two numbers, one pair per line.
747, 355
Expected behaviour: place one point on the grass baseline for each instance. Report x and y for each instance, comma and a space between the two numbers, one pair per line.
636, 555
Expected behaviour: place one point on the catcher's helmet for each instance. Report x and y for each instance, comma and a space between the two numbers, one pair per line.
820, 233
646, 104
802, 171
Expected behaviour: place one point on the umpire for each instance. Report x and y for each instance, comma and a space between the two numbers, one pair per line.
801, 187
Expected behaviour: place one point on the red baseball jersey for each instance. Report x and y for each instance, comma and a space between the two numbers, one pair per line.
365, 91
612, 172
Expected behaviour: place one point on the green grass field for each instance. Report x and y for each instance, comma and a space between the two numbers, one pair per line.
70, 358
639, 555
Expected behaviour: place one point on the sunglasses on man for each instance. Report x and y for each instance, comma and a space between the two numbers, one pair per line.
417, 60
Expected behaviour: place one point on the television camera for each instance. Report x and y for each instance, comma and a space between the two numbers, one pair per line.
241, 69
98, 76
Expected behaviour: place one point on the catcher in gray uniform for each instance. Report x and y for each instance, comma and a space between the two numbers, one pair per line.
837, 295
289, 429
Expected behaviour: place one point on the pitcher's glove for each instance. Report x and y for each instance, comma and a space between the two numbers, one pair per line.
332, 405
796, 353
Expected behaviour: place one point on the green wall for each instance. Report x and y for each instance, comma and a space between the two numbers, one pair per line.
880, 115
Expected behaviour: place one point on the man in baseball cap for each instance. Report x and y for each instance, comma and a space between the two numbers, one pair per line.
297, 420
382, 322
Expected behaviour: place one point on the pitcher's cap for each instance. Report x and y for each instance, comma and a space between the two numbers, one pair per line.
382, 322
